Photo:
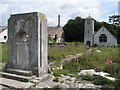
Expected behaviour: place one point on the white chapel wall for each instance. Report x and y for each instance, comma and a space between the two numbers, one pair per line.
111, 40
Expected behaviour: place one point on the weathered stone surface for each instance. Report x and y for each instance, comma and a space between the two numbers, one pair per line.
14, 83
103, 74
87, 72
16, 77
63, 85
27, 42
47, 83
19, 72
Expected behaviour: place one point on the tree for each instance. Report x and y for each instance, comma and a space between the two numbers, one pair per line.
115, 19
55, 38
74, 29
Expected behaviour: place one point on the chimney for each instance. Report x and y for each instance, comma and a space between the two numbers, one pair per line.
58, 20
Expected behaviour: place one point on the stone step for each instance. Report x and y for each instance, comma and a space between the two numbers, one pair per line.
19, 72
14, 84
17, 77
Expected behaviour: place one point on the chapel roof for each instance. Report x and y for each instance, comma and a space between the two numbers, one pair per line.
89, 18
103, 27
2, 28
54, 30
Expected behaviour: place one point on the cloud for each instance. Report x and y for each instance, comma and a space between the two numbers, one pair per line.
100, 10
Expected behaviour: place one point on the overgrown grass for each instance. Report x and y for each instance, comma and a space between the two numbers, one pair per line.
91, 60
3, 52
59, 72
97, 60
57, 53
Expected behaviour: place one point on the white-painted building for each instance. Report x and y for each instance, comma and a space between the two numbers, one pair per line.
102, 37
3, 34
56, 31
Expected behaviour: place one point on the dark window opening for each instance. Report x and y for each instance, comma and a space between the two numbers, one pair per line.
5, 37
88, 22
102, 38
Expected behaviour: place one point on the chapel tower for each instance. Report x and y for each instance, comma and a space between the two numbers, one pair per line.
89, 31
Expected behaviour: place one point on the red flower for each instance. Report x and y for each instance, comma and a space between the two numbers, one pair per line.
108, 60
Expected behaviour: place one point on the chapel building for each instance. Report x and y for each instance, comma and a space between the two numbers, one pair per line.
103, 37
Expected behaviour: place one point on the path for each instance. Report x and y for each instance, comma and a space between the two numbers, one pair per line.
76, 56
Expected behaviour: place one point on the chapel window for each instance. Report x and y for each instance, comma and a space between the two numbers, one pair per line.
102, 38
5, 37
88, 22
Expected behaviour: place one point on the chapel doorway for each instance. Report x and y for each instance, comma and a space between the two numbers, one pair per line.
88, 43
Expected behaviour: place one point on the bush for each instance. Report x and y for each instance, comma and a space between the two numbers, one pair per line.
56, 80
117, 83
113, 69
108, 87
59, 72
87, 77
99, 80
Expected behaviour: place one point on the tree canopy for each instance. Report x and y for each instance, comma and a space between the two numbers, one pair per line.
115, 19
74, 29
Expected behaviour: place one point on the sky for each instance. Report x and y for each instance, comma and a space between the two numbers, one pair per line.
100, 10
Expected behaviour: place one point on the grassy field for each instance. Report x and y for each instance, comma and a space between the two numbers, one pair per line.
97, 60
92, 60
56, 53
3, 53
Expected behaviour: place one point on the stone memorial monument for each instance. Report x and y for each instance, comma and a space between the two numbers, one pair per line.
27, 43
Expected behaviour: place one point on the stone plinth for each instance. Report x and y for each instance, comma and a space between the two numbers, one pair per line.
27, 42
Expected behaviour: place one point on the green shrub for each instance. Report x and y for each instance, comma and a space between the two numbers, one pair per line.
87, 77
49, 71
113, 69
56, 80
71, 66
78, 80
99, 80
117, 83
59, 72
111, 87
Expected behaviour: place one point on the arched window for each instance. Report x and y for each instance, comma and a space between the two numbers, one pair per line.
88, 22
5, 37
102, 38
